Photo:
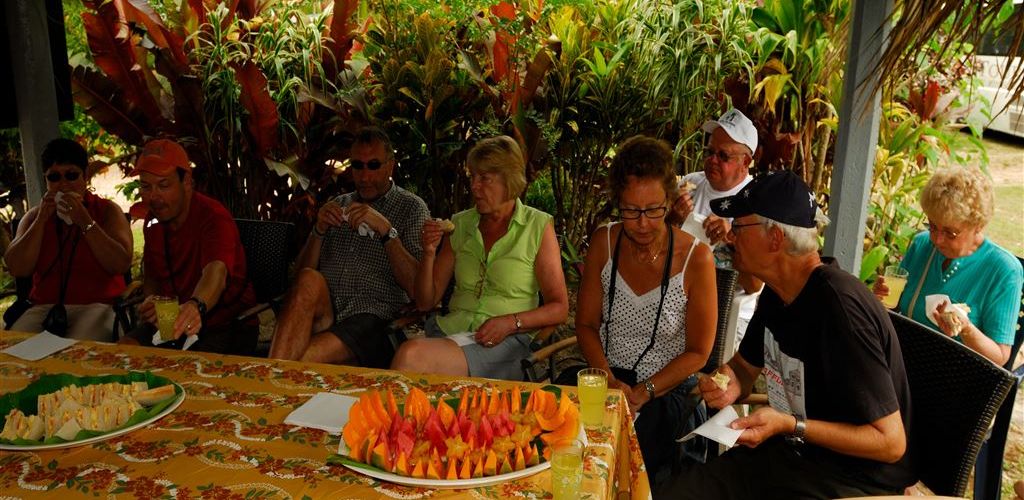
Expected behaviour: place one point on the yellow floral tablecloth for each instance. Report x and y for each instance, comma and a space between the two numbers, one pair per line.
228, 439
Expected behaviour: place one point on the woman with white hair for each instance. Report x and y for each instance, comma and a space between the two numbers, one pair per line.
501, 253
954, 258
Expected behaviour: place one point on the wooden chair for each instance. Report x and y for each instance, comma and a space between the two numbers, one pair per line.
955, 394
988, 470
725, 284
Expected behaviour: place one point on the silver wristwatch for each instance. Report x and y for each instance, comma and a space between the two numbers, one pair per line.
649, 385
799, 432
392, 233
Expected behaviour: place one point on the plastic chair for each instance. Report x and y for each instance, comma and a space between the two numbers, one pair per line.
988, 470
725, 284
955, 393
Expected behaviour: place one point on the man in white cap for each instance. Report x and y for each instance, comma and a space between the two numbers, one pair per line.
727, 159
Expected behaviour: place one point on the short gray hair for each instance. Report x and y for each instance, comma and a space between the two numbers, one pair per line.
799, 240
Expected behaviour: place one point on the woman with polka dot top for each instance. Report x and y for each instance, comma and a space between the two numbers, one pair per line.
647, 307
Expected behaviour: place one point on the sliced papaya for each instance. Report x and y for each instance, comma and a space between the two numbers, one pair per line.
490, 464
494, 404
466, 471
392, 405
478, 468
378, 409
515, 399
453, 471
402, 465
446, 413
419, 470
520, 462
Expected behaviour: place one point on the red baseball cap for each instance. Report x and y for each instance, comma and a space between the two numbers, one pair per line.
161, 157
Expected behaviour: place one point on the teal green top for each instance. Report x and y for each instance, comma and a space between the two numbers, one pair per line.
989, 281
500, 282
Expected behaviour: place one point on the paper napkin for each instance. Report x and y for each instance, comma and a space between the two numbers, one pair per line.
325, 411
39, 346
717, 428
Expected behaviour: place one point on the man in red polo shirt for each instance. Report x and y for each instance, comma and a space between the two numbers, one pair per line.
192, 253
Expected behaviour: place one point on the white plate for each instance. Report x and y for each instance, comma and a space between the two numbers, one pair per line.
102, 437
450, 483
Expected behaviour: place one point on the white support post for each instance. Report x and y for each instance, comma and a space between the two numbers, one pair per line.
858, 133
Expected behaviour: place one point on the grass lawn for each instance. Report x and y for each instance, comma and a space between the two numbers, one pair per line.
1005, 228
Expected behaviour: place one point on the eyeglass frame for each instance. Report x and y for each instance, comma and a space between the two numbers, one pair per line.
68, 175
946, 233
733, 229
643, 212
722, 156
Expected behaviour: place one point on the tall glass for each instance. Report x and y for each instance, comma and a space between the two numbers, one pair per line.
592, 387
896, 280
166, 315
566, 470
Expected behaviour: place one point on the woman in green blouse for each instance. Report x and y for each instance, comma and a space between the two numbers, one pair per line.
502, 254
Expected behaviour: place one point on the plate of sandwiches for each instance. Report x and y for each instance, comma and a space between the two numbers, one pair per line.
64, 410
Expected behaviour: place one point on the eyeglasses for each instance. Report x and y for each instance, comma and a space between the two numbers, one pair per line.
733, 230
371, 165
70, 175
949, 234
720, 154
635, 213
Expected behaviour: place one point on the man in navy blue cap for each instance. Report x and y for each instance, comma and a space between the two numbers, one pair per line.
839, 412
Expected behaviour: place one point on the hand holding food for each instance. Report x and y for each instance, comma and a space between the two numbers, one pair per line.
953, 317
721, 380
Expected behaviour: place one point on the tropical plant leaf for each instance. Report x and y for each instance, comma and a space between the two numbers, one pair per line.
339, 45
105, 102
139, 11
110, 41
263, 117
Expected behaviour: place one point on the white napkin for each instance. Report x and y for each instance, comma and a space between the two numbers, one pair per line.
694, 225
325, 411
463, 338
717, 428
39, 346
189, 340
363, 229
931, 306
61, 215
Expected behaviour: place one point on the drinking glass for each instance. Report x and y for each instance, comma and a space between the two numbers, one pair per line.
566, 469
166, 315
896, 280
592, 388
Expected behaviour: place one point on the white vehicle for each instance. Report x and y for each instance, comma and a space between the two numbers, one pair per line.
990, 65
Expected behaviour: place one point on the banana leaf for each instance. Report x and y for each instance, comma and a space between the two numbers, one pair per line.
26, 399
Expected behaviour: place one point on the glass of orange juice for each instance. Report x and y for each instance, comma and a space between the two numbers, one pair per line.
592, 388
896, 280
166, 315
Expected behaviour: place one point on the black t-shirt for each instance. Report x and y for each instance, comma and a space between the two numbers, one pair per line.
833, 355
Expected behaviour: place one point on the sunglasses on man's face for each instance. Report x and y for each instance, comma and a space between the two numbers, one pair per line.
359, 164
70, 175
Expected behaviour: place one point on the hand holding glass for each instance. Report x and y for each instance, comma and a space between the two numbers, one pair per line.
592, 388
166, 315
896, 280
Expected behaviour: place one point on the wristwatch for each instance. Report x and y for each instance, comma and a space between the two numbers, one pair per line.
519, 323
200, 305
392, 233
649, 385
799, 431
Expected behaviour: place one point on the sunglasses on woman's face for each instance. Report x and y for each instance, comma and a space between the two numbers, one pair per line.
359, 164
70, 176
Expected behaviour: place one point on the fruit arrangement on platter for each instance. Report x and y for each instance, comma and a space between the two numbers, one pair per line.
486, 432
